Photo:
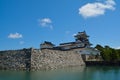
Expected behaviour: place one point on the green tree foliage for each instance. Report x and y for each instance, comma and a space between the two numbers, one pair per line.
108, 53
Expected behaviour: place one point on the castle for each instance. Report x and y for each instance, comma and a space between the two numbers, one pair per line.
81, 41
50, 56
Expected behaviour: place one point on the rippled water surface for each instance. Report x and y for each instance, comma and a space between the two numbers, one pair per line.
76, 73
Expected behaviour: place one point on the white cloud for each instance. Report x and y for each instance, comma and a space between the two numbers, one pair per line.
45, 22
15, 35
96, 8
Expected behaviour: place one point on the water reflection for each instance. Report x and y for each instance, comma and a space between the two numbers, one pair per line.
61, 74
74, 73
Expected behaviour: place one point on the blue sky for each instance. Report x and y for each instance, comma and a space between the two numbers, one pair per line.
27, 23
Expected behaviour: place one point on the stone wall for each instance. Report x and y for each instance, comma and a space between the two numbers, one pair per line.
36, 59
15, 59
52, 59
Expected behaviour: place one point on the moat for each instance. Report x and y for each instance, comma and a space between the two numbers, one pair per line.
74, 73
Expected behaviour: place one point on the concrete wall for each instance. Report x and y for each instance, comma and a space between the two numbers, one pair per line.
90, 57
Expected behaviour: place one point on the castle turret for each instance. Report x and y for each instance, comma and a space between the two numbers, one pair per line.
82, 37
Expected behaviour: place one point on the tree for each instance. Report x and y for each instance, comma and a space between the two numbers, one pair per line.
108, 53
99, 47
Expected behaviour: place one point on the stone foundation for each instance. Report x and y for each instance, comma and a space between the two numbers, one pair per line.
36, 59
15, 59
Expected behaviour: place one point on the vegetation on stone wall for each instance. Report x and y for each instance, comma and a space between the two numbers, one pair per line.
108, 53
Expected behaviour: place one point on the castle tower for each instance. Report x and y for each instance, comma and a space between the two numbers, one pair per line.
82, 37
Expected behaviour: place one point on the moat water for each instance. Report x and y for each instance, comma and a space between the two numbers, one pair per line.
75, 73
